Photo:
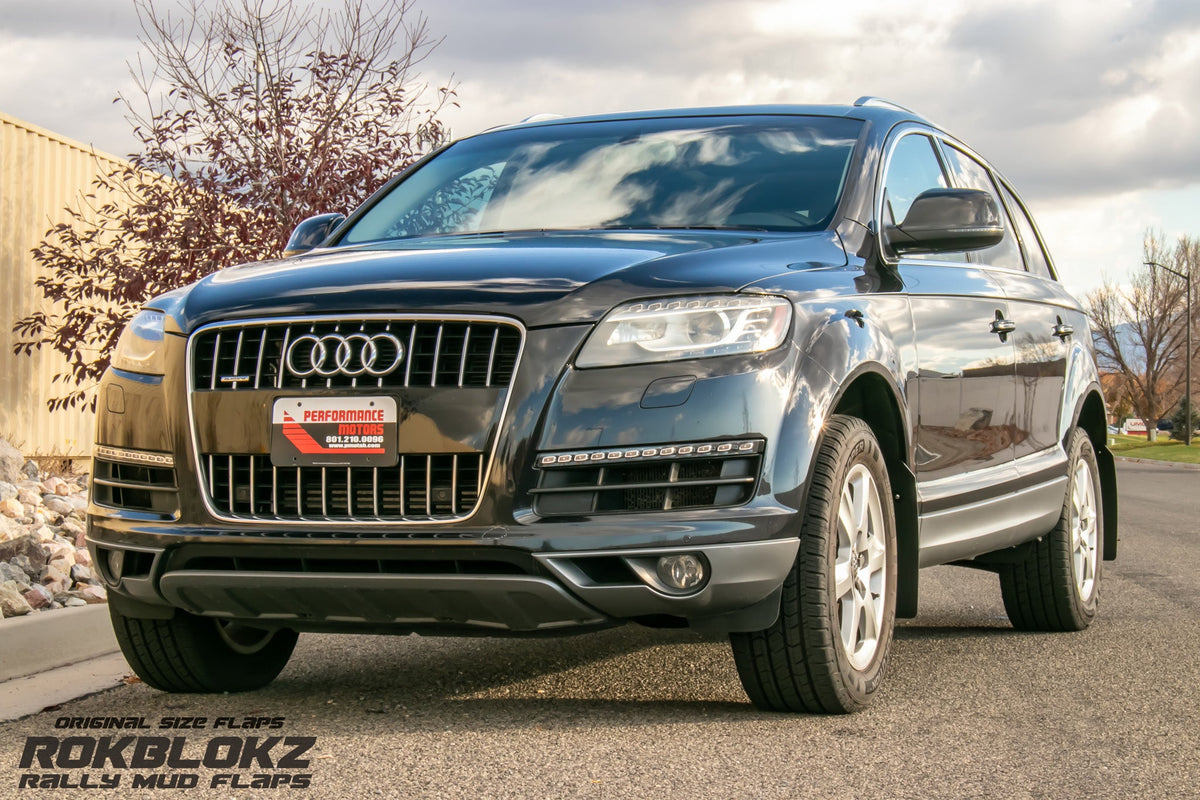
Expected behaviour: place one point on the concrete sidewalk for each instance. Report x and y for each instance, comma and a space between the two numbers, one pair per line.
51, 657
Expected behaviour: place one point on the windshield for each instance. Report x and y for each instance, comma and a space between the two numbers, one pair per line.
768, 173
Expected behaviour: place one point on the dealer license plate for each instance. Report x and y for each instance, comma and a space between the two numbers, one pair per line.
334, 432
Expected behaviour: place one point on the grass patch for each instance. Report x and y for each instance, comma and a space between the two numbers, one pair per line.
1163, 450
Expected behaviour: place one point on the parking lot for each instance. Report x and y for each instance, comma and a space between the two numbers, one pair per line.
970, 708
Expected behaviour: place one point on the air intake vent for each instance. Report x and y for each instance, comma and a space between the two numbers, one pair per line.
662, 484
137, 487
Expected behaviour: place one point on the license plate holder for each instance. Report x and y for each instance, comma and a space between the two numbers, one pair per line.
334, 432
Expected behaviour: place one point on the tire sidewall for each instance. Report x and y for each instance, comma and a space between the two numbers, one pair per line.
1081, 449
862, 448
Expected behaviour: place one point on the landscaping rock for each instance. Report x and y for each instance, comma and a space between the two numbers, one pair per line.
93, 594
29, 546
10, 529
23, 563
38, 596
44, 561
11, 462
12, 602
57, 504
54, 579
11, 572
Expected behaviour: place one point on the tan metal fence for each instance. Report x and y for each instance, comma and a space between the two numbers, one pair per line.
40, 174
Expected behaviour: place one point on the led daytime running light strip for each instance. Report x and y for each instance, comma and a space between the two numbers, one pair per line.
691, 450
135, 456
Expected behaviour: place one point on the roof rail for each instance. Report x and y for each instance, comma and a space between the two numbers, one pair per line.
540, 118
868, 100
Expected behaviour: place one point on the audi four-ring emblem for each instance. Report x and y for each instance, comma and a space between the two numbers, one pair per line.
351, 355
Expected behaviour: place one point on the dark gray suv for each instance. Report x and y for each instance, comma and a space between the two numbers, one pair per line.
744, 370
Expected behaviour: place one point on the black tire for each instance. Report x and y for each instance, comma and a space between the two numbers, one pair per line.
1057, 586
188, 653
804, 662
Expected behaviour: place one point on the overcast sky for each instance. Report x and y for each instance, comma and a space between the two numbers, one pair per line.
1088, 106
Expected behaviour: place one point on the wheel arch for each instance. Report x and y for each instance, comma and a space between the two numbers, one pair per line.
870, 394
1091, 417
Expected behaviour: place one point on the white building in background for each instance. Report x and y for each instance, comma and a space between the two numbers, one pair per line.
41, 173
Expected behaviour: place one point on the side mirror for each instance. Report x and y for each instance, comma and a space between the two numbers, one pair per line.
311, 232
947, 221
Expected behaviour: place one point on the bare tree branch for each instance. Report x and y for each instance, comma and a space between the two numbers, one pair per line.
252, 115
1139, 331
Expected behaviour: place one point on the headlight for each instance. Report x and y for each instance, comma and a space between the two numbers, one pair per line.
675, 328
140, 347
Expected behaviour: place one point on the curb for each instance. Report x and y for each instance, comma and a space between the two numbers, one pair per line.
1174, 464
43, 641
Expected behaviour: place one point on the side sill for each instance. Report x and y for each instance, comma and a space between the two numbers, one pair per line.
970, 530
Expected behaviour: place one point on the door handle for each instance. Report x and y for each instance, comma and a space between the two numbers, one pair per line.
1003, 326
1062, 330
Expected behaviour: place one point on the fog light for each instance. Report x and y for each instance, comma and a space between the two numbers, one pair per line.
681, 572
116, 564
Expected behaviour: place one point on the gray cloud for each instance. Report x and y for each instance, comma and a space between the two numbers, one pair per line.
1066, 97
1061, 95
68, 19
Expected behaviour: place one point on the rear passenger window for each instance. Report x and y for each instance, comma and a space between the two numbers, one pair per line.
1035, 257
970, 174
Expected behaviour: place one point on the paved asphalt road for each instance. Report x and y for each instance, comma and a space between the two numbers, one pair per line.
970, 709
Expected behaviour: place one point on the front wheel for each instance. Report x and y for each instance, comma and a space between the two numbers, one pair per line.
1056, 586
828, 650
187, 653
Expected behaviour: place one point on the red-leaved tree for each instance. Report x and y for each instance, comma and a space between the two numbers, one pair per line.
252, 115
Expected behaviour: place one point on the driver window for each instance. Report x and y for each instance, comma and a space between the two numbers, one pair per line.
914, 167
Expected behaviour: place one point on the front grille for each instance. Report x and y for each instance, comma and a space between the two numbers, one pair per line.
118, 484
421, 488
468, 353
659, 485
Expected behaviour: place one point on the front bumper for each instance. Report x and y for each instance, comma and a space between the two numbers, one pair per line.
451, 589
510, 564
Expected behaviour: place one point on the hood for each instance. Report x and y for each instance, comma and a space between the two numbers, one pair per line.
539, 278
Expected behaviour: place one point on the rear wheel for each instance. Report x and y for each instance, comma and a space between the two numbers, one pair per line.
828, 650
1056, 586
187, 653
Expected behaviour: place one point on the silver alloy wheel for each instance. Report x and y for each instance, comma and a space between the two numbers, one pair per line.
243, 639
860, 573
1084, 531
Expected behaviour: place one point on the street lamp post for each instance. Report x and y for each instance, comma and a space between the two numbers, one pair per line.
1187, 360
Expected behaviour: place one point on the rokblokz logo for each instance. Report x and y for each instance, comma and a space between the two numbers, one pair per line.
131, 759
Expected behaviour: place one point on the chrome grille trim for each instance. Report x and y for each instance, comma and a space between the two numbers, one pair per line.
263, 497
441, 351
487, 459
